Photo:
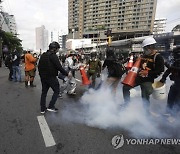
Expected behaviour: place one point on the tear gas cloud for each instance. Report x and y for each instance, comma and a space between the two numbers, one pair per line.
104, 110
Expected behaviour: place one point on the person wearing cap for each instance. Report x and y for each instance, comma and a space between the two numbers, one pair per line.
173, 71
48, 68
152, 65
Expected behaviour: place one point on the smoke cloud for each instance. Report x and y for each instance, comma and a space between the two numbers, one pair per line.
105, 110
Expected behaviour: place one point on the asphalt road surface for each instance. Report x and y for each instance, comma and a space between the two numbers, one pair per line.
23, 130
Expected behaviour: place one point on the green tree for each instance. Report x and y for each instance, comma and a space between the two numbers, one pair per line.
11, 40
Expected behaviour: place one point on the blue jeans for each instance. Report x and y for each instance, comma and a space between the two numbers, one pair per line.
46, 84
16, 73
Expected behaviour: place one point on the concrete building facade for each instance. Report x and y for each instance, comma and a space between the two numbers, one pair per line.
159, 26
126, 18
41, 38
8, 23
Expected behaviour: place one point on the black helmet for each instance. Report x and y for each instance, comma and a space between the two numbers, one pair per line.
54, 45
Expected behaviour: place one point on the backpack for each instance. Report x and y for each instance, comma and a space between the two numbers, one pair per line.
116, 69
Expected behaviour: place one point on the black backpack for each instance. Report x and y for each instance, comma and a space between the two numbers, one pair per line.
116, 69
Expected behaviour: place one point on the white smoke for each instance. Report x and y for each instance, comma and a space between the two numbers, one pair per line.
103, 109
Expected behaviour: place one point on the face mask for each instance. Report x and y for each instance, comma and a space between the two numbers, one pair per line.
147, 51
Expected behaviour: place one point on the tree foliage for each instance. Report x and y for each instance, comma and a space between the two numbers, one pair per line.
11, 40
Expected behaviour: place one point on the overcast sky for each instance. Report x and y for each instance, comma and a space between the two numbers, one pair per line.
53, 14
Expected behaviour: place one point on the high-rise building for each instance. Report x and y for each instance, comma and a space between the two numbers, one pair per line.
64, 39
41, 38
159, 26
8, 23
126, 18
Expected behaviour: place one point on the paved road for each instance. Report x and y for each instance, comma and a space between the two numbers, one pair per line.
20, 131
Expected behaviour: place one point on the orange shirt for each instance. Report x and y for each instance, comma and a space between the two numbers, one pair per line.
29, 62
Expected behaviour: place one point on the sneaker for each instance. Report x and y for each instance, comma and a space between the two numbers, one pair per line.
74, 93
52, 109
60, 96
43, 112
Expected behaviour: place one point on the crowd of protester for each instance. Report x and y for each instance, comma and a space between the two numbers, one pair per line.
51, 67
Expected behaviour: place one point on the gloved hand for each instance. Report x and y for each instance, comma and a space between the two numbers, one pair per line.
162, 80
61, 76
143, 73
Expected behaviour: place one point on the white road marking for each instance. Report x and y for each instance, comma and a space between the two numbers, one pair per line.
48, 138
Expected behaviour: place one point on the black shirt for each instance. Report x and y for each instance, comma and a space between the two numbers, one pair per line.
49, 65
156, 66
114, 67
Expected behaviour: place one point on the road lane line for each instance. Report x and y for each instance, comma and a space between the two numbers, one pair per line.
48, 138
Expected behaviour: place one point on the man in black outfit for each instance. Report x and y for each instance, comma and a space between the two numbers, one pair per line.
173, 71
114, 63
48, 67
8, 63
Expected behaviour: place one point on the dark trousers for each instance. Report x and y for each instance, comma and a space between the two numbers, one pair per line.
46, 84
93, 75
174, 96
10, 72
146, 91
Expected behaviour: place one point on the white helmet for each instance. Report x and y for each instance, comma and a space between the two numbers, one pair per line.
148, 41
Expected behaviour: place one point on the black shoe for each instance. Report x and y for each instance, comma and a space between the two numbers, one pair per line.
52, 109
10, 79
60, 96
43, 111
